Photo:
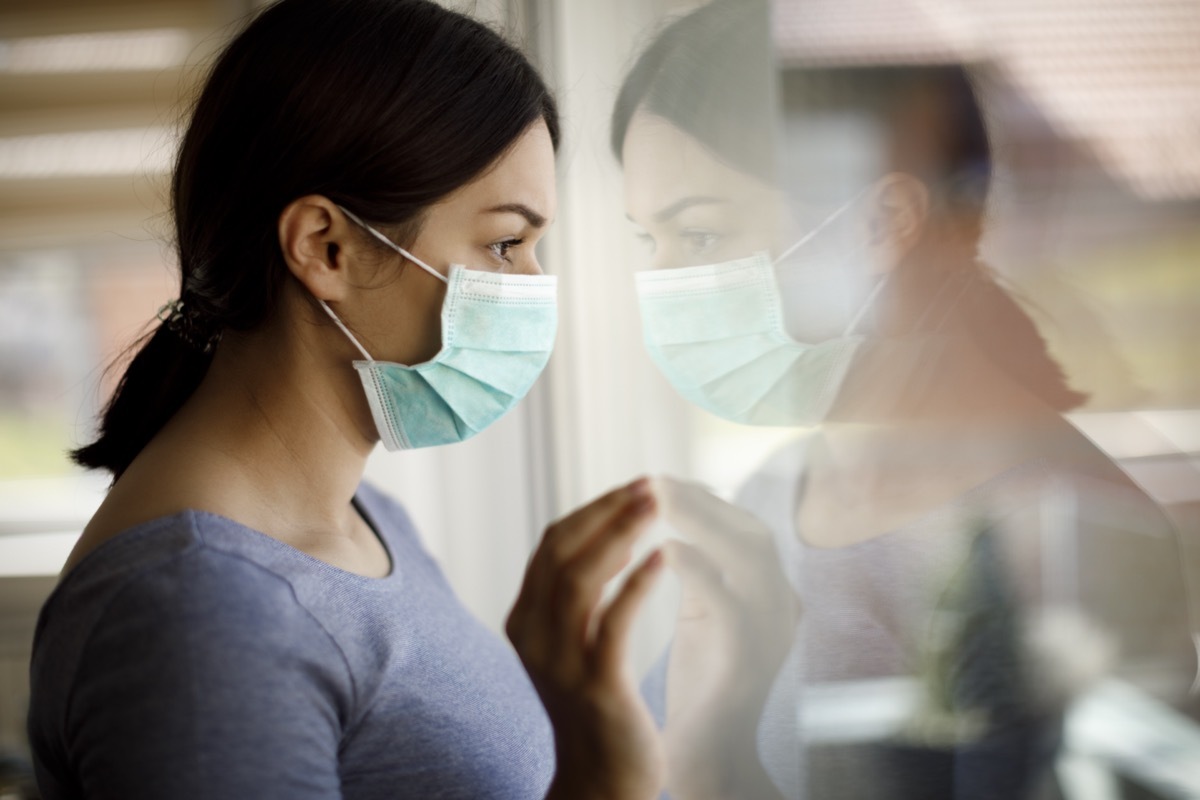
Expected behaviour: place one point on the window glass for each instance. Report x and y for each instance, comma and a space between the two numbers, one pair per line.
921, 278
898, 300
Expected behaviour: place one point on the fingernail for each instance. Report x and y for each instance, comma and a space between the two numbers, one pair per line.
643, 505
655, 559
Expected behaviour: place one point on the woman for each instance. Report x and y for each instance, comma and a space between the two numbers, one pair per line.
946, 533
243, 617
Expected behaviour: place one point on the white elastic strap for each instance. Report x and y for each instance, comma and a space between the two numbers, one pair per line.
345, 330
867, 304
824, 224
395, 247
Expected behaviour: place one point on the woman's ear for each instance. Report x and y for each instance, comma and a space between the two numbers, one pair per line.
897, 215
317, 242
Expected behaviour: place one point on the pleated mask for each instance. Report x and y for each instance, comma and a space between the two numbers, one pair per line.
717, 333
498, 332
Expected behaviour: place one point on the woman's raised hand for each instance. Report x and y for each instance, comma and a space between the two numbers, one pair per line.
573, 646
737, 618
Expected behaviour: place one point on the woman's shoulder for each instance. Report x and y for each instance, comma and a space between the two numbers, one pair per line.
176, 566
1068, 473
164, 586
192, 578
197, 565
165, 635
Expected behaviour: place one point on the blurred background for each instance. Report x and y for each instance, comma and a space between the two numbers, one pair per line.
1094, 107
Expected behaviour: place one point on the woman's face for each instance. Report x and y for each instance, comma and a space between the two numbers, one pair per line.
690, 207
491, 224
694, 209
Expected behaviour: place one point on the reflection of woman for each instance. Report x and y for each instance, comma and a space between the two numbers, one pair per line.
943, 524
242, 618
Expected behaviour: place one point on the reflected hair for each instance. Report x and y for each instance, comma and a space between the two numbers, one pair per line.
382, 106
710, 73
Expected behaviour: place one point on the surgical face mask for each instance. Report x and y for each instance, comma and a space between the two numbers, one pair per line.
717, 333
497, 334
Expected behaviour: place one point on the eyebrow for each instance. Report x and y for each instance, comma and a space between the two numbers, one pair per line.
685, 203
532, 217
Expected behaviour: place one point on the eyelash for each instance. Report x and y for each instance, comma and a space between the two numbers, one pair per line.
507, 245
702, 240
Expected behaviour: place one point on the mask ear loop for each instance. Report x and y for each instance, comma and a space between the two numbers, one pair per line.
870, 301
394, 246
345, 330
806, 238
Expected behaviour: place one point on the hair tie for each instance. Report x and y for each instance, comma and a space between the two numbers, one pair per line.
183, 321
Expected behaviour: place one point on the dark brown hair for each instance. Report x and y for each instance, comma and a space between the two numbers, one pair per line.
383, 106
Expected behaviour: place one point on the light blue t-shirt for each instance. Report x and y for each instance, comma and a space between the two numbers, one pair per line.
193, 657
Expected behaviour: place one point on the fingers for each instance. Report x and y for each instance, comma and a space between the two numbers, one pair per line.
595, 712
568, 535
734, 537
704, 590
612, 632
580, 582
565, 577
564, 538
693, 566
694, 506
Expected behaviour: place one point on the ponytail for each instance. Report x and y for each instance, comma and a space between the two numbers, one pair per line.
160, 378
972, 303
1005, 333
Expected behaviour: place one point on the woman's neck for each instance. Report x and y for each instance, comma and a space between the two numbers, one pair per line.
274, 438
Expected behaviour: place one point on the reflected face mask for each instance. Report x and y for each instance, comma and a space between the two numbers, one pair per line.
717, 333
497, 334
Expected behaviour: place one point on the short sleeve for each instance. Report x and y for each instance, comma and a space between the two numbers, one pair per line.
205, 677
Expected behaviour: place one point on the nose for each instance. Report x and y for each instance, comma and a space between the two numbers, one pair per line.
530, 266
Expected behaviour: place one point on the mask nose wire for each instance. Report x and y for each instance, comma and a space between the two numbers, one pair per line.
395, 246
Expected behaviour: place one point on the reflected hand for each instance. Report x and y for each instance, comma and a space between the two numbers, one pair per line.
606, 743
737, 619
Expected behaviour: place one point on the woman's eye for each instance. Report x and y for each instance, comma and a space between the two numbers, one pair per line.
500, 249
647, 241
700, 241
